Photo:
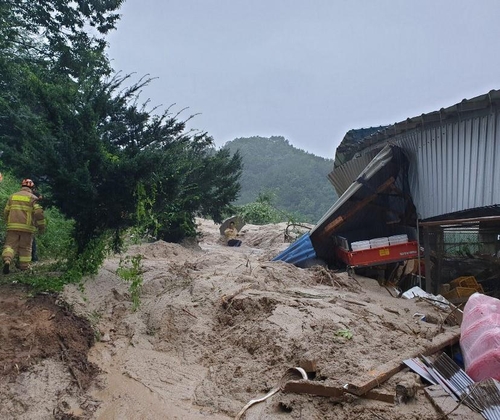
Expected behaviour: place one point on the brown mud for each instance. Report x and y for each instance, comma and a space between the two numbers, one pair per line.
216, 327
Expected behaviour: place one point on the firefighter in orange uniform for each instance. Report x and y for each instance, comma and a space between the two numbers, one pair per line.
23, 217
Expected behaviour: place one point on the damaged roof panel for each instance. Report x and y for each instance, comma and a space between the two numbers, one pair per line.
454, 156
347, 212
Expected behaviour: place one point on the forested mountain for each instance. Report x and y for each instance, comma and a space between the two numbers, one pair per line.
297, 179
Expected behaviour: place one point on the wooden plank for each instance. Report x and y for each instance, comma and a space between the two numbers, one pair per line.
338, 394
314, 388
448, 406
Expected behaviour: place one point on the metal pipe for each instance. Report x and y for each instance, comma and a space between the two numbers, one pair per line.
460, 221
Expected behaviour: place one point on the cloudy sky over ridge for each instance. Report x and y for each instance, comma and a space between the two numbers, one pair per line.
307, 70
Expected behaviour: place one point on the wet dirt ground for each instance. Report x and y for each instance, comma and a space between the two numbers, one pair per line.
34, 329
216, 328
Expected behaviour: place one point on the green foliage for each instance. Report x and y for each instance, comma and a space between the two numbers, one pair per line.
57, 241
146, 224
78, 131
39, 281
130, 270
262, 211
66, 40
86, 262
297, 179
259, 213
345, 333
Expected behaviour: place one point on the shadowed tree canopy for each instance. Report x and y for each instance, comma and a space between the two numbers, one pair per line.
77, 129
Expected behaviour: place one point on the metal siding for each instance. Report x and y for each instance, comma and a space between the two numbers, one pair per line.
454, 165
472, 162
449, 165
463, 152
496, 161
454, 158
440, 158
411, 150
428, 174
490, 152
481, 161
343, 176
378, 162
299, 252
461, 164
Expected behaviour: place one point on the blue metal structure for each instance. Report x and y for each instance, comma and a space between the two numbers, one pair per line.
299, 252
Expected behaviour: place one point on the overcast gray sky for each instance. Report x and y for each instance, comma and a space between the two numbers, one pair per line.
308, 70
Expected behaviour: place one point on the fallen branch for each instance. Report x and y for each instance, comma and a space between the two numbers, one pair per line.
185, 310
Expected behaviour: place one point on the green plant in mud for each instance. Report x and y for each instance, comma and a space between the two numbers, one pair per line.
130, 270
94, 317
87, 262
147, 223
53, 277
344, 333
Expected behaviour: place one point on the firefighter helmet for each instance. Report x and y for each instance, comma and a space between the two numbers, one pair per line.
28, 183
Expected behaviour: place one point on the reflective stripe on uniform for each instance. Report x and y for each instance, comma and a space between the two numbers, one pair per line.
25, 259
21, 207
25, 198
8, 252
21, 227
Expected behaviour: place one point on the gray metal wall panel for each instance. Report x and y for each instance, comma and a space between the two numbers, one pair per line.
490, 152
454, 165
343, 176
496, 154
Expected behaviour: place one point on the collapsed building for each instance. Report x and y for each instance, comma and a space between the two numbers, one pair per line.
421, 189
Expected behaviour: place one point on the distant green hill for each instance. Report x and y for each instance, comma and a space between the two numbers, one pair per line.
297, 179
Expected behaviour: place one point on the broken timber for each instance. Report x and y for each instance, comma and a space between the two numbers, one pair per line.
337, 393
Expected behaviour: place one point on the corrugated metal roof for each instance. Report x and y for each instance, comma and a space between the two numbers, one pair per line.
375, 204
347, 173
384, 133
366, 174
299, 252
454, 156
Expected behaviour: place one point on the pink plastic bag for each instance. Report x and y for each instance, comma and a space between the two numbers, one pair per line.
480, 337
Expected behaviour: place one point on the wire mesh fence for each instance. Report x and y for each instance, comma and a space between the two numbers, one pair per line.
465, 250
